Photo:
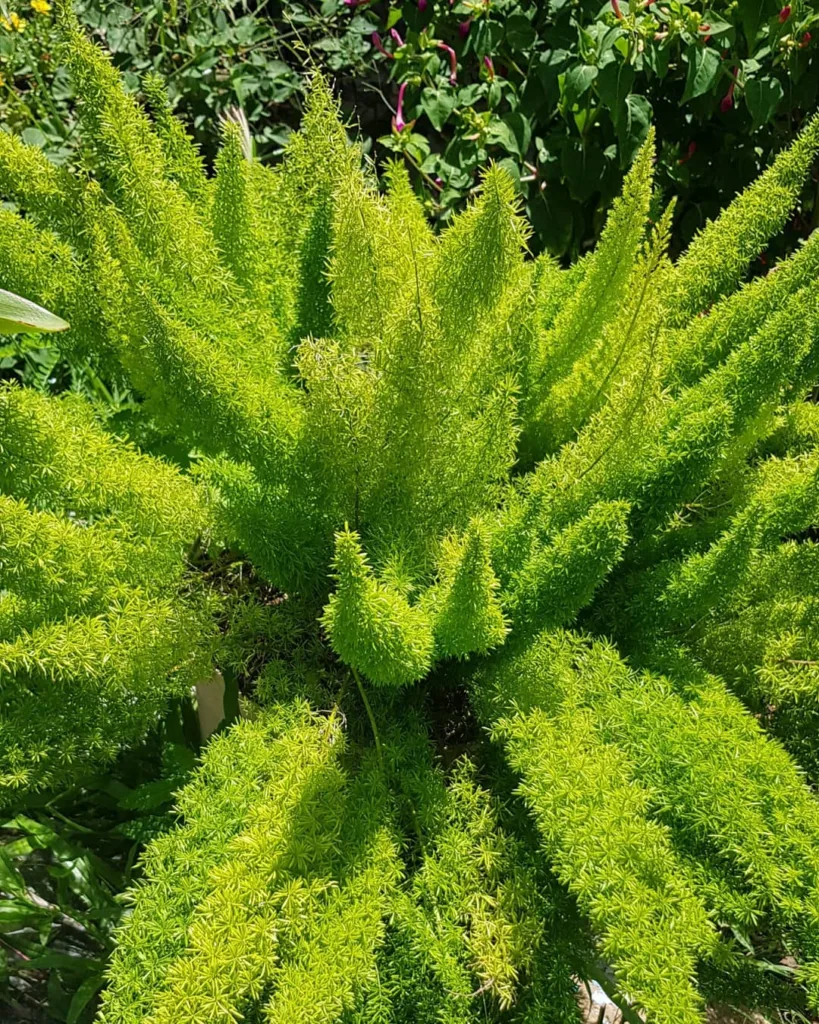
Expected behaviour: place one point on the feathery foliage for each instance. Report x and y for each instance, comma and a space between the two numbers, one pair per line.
578, 504
98, 625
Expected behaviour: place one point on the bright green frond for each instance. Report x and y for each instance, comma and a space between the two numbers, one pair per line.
182, 157
464, 605
600, 292
718, 257
372, 626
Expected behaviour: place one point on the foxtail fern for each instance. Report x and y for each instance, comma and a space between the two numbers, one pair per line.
530, 663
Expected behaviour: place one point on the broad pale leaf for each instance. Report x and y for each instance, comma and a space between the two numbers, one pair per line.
18, 314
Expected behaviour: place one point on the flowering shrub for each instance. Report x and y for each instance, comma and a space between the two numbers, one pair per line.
529, 662
217, 56
563, 95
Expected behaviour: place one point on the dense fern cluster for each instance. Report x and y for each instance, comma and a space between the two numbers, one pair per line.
579, 505
93, 638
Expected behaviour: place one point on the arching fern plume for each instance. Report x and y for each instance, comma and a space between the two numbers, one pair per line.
96, 630
256, 849
573, 350
465, 932
740, 595
462, 476
594, 820
727, 799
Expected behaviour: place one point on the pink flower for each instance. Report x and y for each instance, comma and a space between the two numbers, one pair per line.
806, 38
728, 98
453, 62
376, 41
399, 42
490, 68
356, 3
784, 14
422, 5
463, 28
398, 122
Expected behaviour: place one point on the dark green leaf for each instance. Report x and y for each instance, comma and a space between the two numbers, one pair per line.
656, 58
15, 915
33, 137
487, 36
512, 168
716, 26
438, 104
751, 14
577, 82
633, 128
470, 94
83, 996
494, 94
519, 32
11, 881
513, 133
66, 963
763, 96
521, 131
150, 795
583, 168
703, 68
548, 70
609, 40
614, 83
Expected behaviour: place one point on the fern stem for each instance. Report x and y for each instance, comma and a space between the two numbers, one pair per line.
369, 711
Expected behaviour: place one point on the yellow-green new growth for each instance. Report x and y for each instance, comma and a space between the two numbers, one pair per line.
719, 255
602, 290
234, 216
373, 627
465, 606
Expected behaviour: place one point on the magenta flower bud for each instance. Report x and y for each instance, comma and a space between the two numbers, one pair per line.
422, 5
399, 42
453, 62
784, 14
490, 68
728, 98
376, 41
398, 122
463, 28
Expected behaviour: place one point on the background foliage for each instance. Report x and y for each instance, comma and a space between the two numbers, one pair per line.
561, 93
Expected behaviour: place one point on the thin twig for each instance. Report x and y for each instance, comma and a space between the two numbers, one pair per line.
369, 711
485, 987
